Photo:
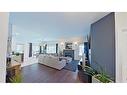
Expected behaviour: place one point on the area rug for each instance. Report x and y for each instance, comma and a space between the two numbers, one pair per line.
72, 66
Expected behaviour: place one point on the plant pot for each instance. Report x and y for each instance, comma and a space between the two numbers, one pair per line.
95, 80
84, 77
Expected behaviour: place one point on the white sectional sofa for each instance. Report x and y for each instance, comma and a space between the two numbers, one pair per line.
51, 61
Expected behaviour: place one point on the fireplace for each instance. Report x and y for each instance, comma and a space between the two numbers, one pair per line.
68, 53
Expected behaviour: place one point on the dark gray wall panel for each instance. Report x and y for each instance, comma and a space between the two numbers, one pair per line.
103, 44
30, 49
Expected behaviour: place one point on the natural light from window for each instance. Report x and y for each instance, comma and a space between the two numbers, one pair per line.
51, 48
81, 49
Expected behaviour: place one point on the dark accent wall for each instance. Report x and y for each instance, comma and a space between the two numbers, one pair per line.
30, 49
103, 44
57, 48
40, 49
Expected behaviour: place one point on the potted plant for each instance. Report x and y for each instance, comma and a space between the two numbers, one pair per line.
16, 79
17, 54
90, 71
97, 77
101, 78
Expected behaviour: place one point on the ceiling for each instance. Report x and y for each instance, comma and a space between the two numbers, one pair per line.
51, 26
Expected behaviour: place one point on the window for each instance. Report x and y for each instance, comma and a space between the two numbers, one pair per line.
51, 48
19, 48
81, 49
35, 49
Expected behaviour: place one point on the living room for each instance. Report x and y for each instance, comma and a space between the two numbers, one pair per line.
45, 50
52, 49
63, 47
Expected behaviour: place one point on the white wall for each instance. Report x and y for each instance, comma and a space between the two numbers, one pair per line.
13, 46
26, 52
3, 44
121, 46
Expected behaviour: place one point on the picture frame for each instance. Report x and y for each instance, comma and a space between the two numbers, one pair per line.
68, 45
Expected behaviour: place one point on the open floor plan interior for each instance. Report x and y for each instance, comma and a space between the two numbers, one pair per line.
63, 47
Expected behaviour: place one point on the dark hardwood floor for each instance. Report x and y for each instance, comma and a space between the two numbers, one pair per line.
38, 73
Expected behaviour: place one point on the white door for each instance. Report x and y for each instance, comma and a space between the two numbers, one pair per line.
124, 54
